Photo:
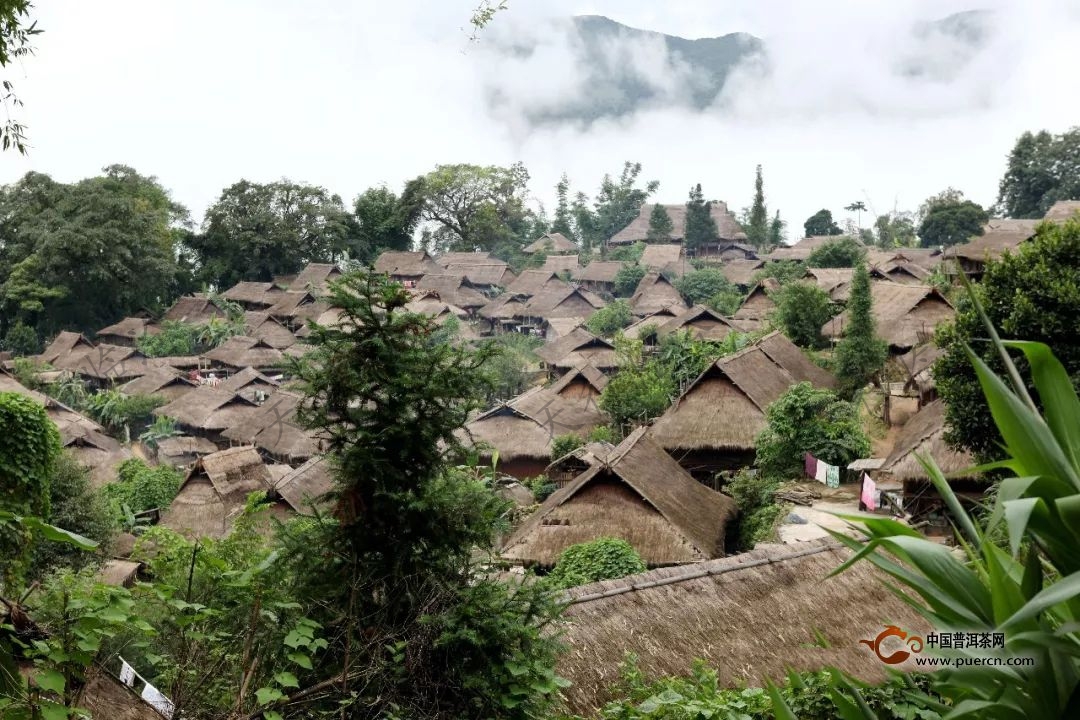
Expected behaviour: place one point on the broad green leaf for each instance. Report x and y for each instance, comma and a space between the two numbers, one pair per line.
55, 534
1017, 514
779, 707
1064, 590
300, 659
1061, 407
945, 490
50, 680
267, 695
286, 679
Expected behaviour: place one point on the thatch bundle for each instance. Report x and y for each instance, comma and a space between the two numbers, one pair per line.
751, 617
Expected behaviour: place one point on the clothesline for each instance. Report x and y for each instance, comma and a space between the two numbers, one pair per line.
149, 693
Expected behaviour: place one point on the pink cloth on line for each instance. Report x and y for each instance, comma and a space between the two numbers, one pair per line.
810, 464
869, 492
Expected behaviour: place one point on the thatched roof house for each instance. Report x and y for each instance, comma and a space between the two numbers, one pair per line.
905, 315
553, 244
531, 282
265, 327
560, 263
316, 278
741, 272
208, 410
835, 282
750, 616
702, 322
66, 344
297, 307
638, 230
163, 381
253, 295
250, 383
473, 259
655, 293
523, 428
598, 276
580, 347
127, 331
653, 320
484, 277
757, 306
999, 235
918, 367
735, 251
802, 249
715, 422
900, 271
107, 363
638, 493
193, 310
306, 488
453, 289
1063, 210
182, 450
583, 381
661, 258
561, 327
563, 470
562, 301
275, 429
241, 352
406, 267
215, 491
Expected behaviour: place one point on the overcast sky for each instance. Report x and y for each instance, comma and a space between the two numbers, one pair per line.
350, 94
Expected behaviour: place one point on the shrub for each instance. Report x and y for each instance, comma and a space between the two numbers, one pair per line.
783, 271
175, 339
140, 487
701, 285
840, 253
637, 395
627, 279
627, 253
808, 420
601, 559
726, 302
564, 444
21, 340
603, 433
801, 310
754, 492
860, 355
608, 320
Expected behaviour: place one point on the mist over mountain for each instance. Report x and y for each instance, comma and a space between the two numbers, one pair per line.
591, 68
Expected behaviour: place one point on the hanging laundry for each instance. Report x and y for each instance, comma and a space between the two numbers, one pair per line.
869, 492
810, 464
832, 476
159, 702
127, 673
820, 472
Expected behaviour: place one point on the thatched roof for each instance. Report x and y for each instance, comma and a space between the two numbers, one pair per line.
253, 293
758, 304
182, 445
598, 271
115, 363
655, 293
655, 319
703, 322
924, 434
208, 408
918, 363
561, 327
66, 344
469, 259
658, 257
741, 272
1062, 210
453, 289
577, 348
724, 408
998, 236
164, 381
263, 326
105, 697
530, 282
905, 315
551, 243
242, 351
586, 456
802, 249
750, 616
584, 375
484, 276
505, 307
640, 494
560, 263
398, 264
248, 381
565, 301
194, 310
307, 486
829, 279
275, 428
638, 229
315, 277
215, 490
297, 306
119, 573
130, 328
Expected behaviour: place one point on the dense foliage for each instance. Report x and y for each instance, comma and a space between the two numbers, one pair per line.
821, 223
628, 278
609, 319
783, 271
702, 286
616, 204
843, 252
860, 355
386, 221
759, 511
600, 559
806, 419
951, 222
896, 229
757, 229
139, 487
636, 395
1031, 294
660, 225
509, 369
700, 227
1043, 168
802, 309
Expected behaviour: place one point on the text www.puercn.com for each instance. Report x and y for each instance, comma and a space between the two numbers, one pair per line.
972, 661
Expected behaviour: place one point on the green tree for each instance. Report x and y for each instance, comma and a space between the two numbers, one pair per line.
76, 506
29, 447
616, 205
757, 230
140, 487
783, 271
636, 395
700, 228
951, 223
16, 33
821, 223
893, 230
385, 221
806, 419
801, 311
477, 207
174, 339
566, 444
256, 231
563, 222
1029, 294
627, 279
660, 225
701, 286
844, 251
601, 559
1042, 169
83, 256
609, 319
857, 207
860, 355
21, 340
776, 231
394, 568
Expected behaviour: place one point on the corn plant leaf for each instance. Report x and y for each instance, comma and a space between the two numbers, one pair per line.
945, 490
1061, 407
779, 706
1064, 590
